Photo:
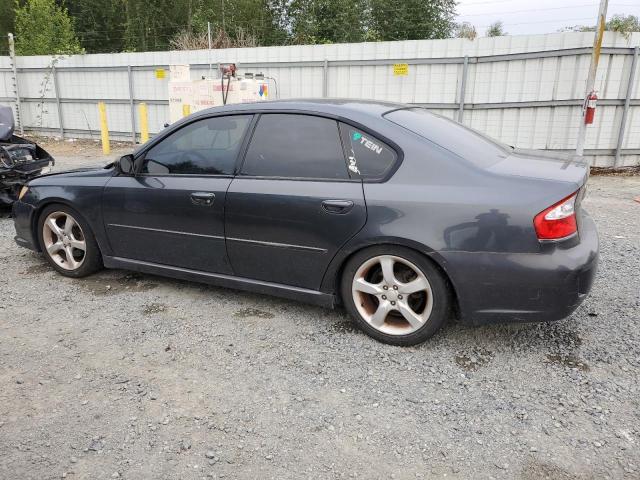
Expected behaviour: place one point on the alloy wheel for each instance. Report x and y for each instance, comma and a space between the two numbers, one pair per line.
392, 295
64, 240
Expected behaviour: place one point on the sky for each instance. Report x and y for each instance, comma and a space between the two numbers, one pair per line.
522, 17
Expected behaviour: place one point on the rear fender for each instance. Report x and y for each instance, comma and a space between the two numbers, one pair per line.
332, 277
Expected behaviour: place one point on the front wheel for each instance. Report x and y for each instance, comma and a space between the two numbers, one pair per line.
395, 295
67, 242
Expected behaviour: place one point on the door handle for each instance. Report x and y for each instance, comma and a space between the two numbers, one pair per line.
203, 198
337, 206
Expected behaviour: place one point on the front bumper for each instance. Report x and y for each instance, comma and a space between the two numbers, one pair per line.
23, 221
541, 287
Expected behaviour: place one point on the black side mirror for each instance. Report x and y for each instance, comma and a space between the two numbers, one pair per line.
126, 165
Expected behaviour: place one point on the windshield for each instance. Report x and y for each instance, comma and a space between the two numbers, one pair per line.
463, 141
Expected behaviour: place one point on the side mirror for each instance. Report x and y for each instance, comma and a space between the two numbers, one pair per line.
126, 165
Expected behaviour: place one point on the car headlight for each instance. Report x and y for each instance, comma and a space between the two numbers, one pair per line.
23, 192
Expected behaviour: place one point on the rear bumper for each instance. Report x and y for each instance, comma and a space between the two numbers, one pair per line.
23, 215
541, 287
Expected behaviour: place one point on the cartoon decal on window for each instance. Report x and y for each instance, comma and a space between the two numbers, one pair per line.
353, 162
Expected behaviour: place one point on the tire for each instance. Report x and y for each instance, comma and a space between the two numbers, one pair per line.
68, 237
385, 306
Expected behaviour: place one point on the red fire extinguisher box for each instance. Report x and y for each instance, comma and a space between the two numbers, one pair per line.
590, 112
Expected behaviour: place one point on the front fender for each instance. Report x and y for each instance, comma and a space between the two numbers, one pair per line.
87, 201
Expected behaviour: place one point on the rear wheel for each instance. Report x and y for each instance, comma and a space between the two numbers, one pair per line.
395, 295
67, 242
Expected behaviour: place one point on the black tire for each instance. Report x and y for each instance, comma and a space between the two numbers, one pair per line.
92, 260
442, 299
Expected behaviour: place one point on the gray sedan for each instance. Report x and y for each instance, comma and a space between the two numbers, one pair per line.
403, 217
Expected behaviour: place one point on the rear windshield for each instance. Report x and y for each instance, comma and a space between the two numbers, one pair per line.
463, 141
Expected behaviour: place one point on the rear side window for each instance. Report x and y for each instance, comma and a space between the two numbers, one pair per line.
295, 146
367, 157
207, 147
463, 141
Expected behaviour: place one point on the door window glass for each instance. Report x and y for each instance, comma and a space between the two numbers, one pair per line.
295, 146
367, 157
208, 147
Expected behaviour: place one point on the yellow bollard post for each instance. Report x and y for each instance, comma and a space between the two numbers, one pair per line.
144, 123
104, 129
186, 110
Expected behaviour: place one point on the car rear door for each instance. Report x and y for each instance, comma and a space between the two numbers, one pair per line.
172, 211
293, 204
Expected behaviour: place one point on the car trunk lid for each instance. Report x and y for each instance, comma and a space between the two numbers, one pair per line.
543, 165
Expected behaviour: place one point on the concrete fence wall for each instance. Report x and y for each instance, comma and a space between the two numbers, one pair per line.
524, 90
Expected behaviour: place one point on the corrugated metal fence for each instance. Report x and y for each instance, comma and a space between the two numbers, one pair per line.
524, 90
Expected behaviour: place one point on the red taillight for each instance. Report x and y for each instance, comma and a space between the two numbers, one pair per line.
558, 221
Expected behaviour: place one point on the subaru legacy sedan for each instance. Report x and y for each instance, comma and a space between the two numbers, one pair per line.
403, 217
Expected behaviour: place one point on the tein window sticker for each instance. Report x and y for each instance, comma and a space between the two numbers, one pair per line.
367, 157
370, 144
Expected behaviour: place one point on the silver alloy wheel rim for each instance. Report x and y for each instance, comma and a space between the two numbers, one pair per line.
388, 305
64, 240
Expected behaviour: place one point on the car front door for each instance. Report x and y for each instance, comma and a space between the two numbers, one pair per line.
293, 204
172, 211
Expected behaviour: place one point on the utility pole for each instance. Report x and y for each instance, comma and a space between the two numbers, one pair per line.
14, 69
209, 45
593, 68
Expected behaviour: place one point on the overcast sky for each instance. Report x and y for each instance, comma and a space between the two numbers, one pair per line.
521, 17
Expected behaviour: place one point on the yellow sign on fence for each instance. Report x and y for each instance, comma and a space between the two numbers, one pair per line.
400, 69
160, 73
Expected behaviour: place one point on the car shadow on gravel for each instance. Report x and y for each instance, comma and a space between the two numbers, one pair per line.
557, 343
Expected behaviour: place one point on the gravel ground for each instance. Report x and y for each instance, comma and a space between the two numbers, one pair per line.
132, 376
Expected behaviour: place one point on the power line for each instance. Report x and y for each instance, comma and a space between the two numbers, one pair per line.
527, 11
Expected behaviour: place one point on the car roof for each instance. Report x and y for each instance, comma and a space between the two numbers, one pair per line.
334, 106
357, 110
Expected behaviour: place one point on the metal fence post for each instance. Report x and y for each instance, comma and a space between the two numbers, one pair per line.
131, 106
54, 74
461, 90
14, 68
325, 71
104, 128
625, 109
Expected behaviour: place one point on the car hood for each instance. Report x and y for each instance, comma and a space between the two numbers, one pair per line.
53, 177
543, 165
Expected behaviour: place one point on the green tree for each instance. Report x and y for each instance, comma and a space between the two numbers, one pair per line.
100, 25
6, 24
465, 30
44, 28
150, 25
260, 19
412, 19
329, 21
624, 24
496, 29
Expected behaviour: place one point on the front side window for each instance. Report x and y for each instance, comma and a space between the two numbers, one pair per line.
367, 157
295, 146
207, 147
